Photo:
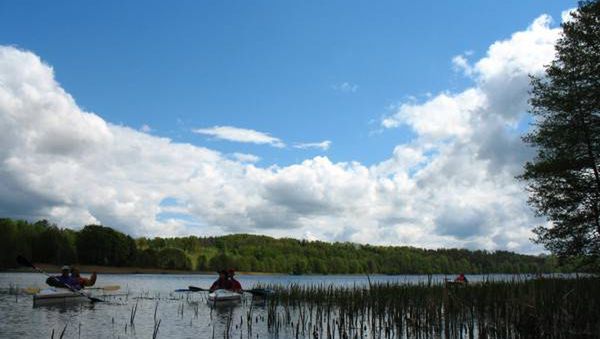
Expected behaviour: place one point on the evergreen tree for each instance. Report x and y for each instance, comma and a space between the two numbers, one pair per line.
564, 179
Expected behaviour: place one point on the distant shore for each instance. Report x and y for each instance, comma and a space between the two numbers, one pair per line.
86, 269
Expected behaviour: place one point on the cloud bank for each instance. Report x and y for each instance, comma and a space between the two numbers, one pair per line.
452, 186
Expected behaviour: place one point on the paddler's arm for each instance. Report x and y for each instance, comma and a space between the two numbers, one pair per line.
92, 280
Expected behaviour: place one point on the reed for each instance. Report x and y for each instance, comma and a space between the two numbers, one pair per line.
156, 322
133, 313
550, 308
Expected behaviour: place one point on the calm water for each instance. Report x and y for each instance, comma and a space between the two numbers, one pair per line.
181, 315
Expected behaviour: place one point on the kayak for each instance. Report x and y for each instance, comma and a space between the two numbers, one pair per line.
224, 296
450, 283
59, 296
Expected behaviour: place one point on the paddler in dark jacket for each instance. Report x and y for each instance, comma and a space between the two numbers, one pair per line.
235, 285
222, 282
63, 280
81, 281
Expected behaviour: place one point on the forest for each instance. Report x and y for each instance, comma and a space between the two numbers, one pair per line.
44, 242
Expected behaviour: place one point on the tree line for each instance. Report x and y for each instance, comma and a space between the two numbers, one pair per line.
43, 242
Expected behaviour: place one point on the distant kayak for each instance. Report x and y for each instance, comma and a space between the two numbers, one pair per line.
59, 296
452, 283
224, 296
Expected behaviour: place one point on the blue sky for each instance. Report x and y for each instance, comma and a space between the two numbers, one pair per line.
393, 123
274, 67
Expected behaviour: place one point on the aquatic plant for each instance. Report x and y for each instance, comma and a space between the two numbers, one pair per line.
518, 308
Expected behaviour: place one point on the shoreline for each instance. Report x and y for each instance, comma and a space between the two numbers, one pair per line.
115, 270
87, 269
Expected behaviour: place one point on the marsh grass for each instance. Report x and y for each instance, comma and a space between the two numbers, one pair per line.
549, 308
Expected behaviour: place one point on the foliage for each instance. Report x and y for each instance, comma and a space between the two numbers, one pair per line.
100, 245
564, 178
173, 258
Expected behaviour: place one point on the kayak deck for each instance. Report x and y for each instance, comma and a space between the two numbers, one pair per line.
222, 296
59, 296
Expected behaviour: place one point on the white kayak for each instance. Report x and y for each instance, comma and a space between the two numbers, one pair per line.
59, 296
220, 296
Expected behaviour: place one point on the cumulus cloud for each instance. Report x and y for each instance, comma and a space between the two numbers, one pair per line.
566, 14
475, 137
146, 128
451, 186
240, 135
461, 63
446, 115
323, 145
245, 157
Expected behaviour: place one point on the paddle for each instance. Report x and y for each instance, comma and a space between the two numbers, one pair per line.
255, 291
192, 289
198, 289
24, 262
31, 290
105, 288
34, 290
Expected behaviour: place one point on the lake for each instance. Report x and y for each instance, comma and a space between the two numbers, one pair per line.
181, 315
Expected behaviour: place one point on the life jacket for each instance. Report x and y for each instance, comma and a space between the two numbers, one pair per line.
221, 284
235, 285
61, 281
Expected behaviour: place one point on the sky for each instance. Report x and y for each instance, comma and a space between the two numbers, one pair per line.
391, 123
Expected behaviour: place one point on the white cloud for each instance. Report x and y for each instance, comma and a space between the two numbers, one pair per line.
323, 145
469, 183
245, 157
445, 115
146, 128
565, 15
346, 87
461, 63
236, 134
452, 186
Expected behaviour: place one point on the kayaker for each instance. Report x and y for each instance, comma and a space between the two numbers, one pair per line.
461, 279
222, 282
235, 285
83, 282
64, 280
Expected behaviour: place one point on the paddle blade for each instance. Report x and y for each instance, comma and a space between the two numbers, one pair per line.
196, 289
105, 288
183, 290
31, 290
95, 300
21, 260
111, 288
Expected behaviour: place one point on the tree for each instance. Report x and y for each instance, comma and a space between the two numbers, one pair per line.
173, 258
147, 257
563, 179
99, 245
